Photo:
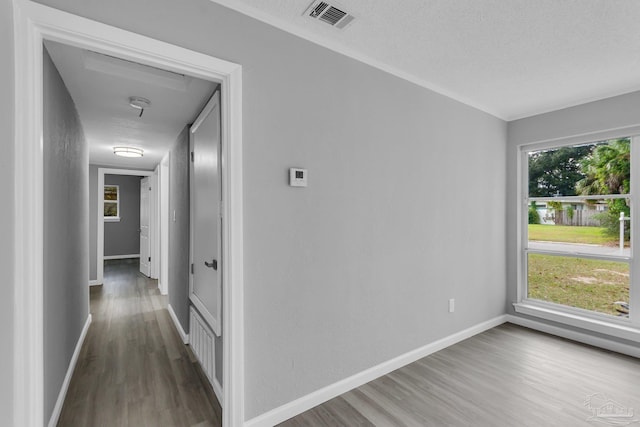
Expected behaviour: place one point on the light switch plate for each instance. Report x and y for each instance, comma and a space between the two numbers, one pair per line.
298, 177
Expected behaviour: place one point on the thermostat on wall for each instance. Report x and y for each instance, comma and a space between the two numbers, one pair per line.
298, 177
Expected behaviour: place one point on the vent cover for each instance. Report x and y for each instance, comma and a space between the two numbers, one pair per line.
329, 13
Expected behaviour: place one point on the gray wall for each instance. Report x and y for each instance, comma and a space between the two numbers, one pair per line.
66, 232
93, 222
179, 229
6, 215
405, 207
123, 237
612, 113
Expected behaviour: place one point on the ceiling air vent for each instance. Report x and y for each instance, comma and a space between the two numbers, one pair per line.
329, 14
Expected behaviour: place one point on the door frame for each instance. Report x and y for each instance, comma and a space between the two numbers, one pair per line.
213, 323
163, 209
100, 238
154, 212
34, 23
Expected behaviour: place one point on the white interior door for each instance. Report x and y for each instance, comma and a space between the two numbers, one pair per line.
206, 283
145, 244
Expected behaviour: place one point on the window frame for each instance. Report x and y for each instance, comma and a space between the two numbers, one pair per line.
620, 327
117, 201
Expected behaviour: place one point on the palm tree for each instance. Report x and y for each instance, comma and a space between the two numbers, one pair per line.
607, 170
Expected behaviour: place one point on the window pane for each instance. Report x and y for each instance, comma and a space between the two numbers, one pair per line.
587, 169
583, 283
110, 209
110, 193
586, 226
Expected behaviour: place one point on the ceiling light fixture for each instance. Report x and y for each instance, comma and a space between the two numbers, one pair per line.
139, 103
128, 151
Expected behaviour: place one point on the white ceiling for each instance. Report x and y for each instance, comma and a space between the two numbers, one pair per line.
510, 58
101, 86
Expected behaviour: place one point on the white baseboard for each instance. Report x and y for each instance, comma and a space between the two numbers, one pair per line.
585, 338
217, 389
181, 332
298, 406
121, 256
164, 289
53, 421
93, 283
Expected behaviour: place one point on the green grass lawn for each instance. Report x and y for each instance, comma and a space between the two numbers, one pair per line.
571, 234
576, 282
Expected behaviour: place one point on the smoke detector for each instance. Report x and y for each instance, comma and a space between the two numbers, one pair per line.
329, 13
139, 103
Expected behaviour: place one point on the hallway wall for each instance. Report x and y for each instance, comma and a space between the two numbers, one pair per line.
179, 228
93, 222
66, 232
179, 235
123, 237
405, 206
7, 215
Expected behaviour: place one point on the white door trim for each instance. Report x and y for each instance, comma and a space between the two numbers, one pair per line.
100, 238
32, 24
155, 223
163, 280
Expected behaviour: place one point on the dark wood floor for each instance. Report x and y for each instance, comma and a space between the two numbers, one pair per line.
508, 376
133, 368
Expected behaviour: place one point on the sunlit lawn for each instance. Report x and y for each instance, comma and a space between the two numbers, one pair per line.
570, 234
577, 282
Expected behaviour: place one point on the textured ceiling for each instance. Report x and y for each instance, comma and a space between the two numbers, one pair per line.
510, 58
101, 86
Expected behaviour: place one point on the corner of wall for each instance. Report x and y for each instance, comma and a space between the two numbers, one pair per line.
178, 271
7, 138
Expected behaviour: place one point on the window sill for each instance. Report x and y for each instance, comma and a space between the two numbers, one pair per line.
112, 219
614, 328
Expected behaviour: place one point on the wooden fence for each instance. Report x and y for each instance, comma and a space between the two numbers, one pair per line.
586, 217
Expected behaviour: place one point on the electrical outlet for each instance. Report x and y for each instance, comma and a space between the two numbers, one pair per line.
452, 305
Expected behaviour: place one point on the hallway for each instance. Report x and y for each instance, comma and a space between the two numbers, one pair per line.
134, 369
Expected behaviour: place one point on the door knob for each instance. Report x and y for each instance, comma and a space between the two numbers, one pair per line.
213, 264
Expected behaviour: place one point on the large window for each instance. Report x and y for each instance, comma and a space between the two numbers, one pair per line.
577, 234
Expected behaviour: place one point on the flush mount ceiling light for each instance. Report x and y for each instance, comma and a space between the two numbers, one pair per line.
139, 103
128, 151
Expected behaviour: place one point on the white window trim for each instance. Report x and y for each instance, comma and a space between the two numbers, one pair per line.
117, 201
623, 328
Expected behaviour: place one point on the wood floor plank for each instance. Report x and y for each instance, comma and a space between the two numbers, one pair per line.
133, 369
506, 376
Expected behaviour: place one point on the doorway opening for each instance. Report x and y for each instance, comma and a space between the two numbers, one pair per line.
123, 237
35, 23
